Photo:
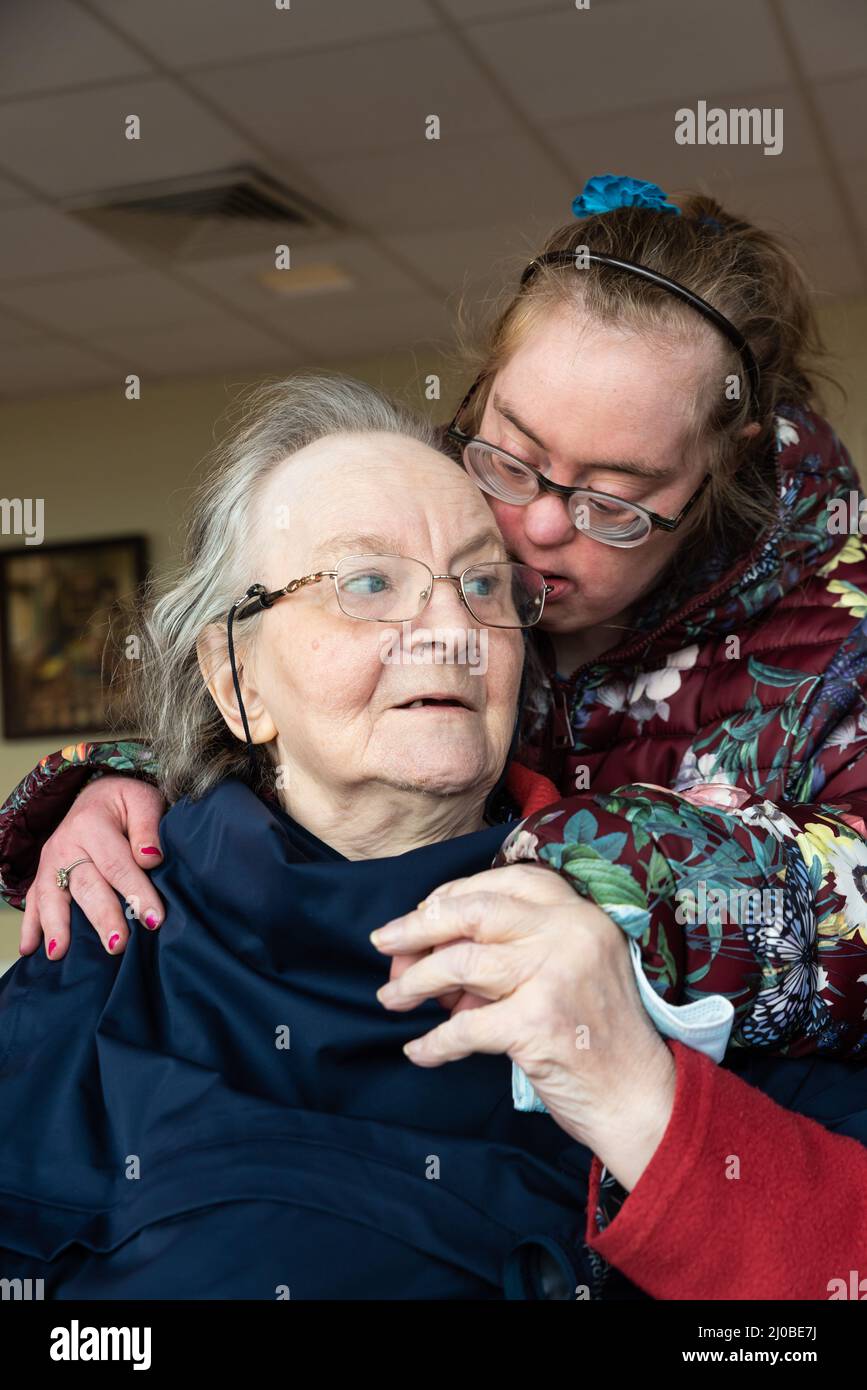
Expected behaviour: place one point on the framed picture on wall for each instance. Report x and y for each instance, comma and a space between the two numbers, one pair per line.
55, 602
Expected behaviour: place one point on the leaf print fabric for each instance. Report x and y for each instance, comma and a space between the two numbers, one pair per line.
791, 956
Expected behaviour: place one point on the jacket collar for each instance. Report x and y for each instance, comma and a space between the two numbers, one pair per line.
812, 468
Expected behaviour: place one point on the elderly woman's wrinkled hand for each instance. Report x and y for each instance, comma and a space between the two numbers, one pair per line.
530, 969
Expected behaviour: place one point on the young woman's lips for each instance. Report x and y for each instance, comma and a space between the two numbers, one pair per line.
560, 587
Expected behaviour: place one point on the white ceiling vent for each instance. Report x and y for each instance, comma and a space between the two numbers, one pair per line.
226, 212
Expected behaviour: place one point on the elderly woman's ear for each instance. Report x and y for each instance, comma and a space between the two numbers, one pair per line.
213, 657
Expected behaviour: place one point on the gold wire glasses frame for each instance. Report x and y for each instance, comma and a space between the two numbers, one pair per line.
511, 583
514, 591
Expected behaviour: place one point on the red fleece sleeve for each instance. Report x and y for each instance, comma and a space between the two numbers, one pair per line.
795, 1218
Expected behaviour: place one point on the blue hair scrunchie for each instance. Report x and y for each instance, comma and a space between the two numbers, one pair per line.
603, 192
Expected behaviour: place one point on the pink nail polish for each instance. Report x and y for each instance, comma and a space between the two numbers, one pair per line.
51, 945
113, 940
151, 921
148, 849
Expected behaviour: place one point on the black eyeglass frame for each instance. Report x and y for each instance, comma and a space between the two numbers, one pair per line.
662, 523
655, 277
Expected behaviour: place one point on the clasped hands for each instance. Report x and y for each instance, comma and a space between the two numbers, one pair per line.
528, 968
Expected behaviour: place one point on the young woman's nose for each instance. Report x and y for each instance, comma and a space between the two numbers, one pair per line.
545, 521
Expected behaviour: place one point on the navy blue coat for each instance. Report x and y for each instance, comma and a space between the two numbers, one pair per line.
224, 1111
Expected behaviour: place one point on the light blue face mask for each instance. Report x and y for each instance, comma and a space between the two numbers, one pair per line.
704, 1025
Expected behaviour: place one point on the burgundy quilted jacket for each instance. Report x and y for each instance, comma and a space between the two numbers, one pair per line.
714, 767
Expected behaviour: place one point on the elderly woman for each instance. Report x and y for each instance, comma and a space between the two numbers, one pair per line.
644, 427
225, 1109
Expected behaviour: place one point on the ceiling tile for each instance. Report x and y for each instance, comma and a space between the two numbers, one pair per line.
365, 325
191, 348
139, 298
43, 366
857, 184
177, 137
368, 97
467, 11
14, 331
53, 43
236, 279
830, 37
11, 194
471, 181
843, 105
37, 241
468, 263
207, 31
803, 210
642, 145
367, 265
631, 54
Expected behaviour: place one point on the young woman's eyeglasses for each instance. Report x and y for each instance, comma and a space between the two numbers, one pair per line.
611, 520
394, 589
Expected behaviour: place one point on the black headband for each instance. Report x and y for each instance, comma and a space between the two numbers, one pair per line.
735, 337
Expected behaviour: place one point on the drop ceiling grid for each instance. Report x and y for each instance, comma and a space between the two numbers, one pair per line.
529, 110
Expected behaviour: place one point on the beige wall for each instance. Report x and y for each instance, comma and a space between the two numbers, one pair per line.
106, 465
844, 328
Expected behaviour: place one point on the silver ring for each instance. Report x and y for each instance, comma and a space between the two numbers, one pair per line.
61, 876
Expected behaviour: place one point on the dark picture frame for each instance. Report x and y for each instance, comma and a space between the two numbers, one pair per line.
54, 607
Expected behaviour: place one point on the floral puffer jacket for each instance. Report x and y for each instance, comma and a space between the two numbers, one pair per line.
714, 769
720, 758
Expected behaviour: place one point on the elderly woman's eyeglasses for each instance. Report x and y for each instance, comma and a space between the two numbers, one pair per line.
394, 589
611, 520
